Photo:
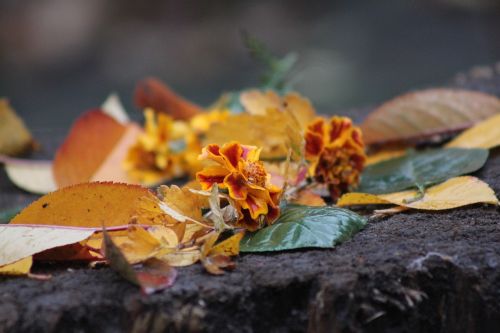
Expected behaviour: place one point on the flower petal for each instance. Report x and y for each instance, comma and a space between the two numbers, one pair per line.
314, 145
212, 152
317, 126
250, 153
338, 125
211, 175
236, 184
232, 153
256, 203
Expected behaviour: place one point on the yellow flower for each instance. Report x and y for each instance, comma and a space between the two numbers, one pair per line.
335, 151
151, 160
237, 168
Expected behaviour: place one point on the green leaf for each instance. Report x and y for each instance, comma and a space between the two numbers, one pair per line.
305, 226
420, 169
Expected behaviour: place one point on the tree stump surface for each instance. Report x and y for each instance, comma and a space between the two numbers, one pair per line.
411, 272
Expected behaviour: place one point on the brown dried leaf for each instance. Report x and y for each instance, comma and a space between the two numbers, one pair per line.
152, 93
153, 275
427, 114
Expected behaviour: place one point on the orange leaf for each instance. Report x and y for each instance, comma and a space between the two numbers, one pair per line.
89, 205
423, 115
90, 141
152, 93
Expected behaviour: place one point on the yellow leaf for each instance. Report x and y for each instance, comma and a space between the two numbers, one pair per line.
228, 247
257, 102
139, 246
18, 242
15, 138
486, 135
21, 267
356, 198
184, 257
89, 205
179, 204
261, 131
165, 235
453, 193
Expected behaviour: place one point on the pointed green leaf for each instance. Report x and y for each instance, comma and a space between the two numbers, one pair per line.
420, 169
305, 226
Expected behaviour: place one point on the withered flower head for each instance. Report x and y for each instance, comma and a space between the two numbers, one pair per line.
237, 168
335, 151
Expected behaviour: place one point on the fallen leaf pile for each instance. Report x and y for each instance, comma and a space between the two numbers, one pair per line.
263, 172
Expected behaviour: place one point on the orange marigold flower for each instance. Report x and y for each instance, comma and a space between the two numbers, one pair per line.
237, 168
335, 151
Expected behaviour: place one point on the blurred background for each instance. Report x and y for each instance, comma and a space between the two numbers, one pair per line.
59, 58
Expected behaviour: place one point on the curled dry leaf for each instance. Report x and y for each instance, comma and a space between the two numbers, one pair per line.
15, 138
18, 242
151, 276
152, 93
142, 245
485, 134
89, 205
427, 114
215, 258
453, 193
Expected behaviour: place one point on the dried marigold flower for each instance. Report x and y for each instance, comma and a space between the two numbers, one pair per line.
237, 168
335, 151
